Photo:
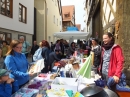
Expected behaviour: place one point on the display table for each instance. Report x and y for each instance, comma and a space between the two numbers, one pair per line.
43, 82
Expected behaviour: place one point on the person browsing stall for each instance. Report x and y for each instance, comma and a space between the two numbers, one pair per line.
17, 63
26, 47
96, 48
7, 85
112, 60
71, 49
53, 57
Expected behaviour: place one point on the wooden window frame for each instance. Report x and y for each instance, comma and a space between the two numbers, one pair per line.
57, 21
6, 37
5, 9
22, 20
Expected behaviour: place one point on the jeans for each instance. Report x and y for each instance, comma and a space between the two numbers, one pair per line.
112, 86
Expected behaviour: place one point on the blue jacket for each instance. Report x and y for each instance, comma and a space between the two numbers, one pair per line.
45, 54
18, 65
121, 86
6, 90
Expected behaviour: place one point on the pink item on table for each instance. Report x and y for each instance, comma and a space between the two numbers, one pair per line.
85, 52
42, 75
75, 53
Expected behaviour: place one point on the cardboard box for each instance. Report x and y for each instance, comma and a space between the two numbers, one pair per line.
65, 83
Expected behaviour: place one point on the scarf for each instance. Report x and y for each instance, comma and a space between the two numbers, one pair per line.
108, 46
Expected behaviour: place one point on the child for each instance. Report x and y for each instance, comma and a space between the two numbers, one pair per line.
7, 85
76, 65
75, 68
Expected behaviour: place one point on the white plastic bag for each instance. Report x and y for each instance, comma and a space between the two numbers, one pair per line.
39, 66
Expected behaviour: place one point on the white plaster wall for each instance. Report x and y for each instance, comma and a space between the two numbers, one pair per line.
53, 10
13, 23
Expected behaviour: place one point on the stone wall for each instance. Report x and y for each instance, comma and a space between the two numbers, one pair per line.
123, 16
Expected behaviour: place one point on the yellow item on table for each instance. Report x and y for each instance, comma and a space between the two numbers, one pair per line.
77, 94
57, 92
92, 53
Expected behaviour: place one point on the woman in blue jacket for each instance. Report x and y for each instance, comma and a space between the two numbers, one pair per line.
17, 63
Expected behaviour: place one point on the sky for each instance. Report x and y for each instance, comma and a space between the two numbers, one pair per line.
79, 10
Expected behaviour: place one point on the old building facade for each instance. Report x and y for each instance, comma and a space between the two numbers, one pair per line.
111, 16
16, 19
47, 19
68, 14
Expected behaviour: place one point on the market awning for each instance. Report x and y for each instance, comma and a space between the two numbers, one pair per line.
71, 34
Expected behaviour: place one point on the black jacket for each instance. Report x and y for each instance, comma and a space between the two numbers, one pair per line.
33, 49
97, 55
53, 57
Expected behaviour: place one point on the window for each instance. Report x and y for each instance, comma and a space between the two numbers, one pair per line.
6, 8
67, 15
47, 11
22, 13
5, 37
57, 22
60, 23
54, 19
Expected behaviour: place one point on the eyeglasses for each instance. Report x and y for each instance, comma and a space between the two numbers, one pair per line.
18, 47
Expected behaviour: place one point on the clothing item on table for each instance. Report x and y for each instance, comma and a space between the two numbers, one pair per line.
25, 92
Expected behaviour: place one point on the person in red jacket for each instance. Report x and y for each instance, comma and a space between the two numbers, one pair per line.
112, 59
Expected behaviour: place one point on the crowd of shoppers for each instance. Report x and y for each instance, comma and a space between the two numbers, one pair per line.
108, 57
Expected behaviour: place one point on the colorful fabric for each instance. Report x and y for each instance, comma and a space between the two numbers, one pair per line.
25, 92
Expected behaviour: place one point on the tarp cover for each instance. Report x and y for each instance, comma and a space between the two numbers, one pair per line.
72, 29
71, 34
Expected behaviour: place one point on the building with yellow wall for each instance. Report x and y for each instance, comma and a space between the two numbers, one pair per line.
47, 19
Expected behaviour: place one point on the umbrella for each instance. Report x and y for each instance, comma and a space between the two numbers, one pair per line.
85, 70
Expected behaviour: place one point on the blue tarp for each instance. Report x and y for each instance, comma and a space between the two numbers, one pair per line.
72, 29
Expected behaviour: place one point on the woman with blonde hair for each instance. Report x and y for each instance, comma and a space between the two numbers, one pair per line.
17, 63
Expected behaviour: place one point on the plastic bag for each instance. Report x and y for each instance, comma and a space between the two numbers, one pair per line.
39, 66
